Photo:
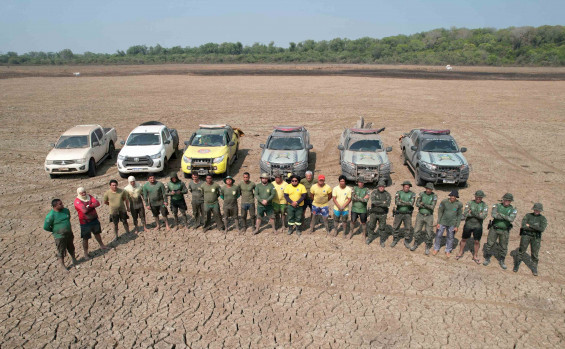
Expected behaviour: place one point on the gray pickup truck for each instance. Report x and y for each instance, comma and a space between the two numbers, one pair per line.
287, 151
435, 157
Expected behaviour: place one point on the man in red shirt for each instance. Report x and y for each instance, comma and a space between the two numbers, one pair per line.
89, 224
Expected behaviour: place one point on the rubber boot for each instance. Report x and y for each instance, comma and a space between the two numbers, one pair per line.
298, 230
516, 266
502, 265
394, 242
487, 261
427, 250
406, 244
535, 269
382, 243
414, 247
290, 229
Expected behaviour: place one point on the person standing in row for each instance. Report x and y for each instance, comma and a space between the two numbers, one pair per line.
118, 201
533, 225
320, 194
212, 192
58, 223
230, 193
380, 203
85, 205
448, 219
295, 194
404, 201
474, 214
247, 200
359, 198
426, 203
279, 202
503, 215
136, 207
264, 193
176, 190
197, 200
341, 195
155, 196
307, 182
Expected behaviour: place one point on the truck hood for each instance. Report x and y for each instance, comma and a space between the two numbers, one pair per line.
365, 158
143, 150
444, 159
205, 152
67, 154
284, 156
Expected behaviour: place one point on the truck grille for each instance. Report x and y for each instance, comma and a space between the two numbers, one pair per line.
63, 162
448, 168
141, 161
282, 167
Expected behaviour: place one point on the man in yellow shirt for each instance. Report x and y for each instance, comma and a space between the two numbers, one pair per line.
341, 197
295, 194
320, 194
279, 202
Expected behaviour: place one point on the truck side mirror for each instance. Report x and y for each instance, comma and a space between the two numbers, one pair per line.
414, 148
340, 147
310, 146
388, 149
122, 142
262, 146
463, 149
52, 145
167, 142
95, 144
231, 144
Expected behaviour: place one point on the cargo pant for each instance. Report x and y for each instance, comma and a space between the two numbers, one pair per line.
374, 220
198, 213
425, 223
400, 218
502, 237
294, 215
525, 241
214, 209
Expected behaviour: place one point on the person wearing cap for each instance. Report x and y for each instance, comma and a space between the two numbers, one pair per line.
380, 203
230, 193
404, 201
279, 202
449, 216
264, 194
320, 194
341, 196
85, 205
211, 193
533, 225
175, 191
247, 200
155, 196
136, 207
359, 198
426, 203
307, 182
503, 215
197, 200
58, 223
118, 201
295, 194
474, 214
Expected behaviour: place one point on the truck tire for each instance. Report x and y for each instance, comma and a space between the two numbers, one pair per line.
91, 168
165, 168
111, 150
403, 155
175, 154
462, 184
419, 180
123, 175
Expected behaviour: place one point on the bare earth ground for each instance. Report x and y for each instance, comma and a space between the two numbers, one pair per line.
190, 289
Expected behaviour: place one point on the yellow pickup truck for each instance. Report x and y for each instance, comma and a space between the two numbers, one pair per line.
211, 149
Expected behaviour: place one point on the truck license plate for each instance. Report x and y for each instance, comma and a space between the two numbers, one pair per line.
449, 181
63, 168
202, 172
136, 169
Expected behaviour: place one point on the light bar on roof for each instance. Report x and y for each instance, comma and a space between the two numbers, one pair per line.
435, 132
288, 128
212, 126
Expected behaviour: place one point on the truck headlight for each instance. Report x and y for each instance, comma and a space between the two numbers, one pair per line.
464, 167
429, 166
220, 159
300, 164
121, 157
80, 161
384, 167
156, 156
186, 159
48, 162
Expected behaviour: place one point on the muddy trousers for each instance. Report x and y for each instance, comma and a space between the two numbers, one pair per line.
198, 213
399, 219
213, 209
534, 242
425, 223
497, 235
374, 220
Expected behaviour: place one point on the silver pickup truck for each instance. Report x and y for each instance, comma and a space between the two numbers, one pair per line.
287, 151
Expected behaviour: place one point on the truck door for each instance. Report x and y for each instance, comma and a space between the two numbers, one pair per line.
167, 143
97, 149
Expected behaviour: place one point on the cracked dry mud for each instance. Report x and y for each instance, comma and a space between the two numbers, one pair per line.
188, 289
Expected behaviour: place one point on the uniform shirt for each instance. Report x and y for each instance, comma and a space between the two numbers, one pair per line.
196, 191
135, 195
380, 202
450, 213
154, 194
295, 193
404, 201
116, 200
211, 193
475, 213
247, 192
358, 198
264, 192
537, 223
341, 196
503, 216
58, 223
279, 198
172, 187
321, 195
230, 195
426, 203
308, 185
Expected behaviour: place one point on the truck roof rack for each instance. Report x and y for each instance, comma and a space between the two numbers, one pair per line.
289, 128
213, 126
152, 123
435, 132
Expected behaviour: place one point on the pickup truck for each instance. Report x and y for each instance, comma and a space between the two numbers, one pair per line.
80, 150
148, 149
287, 151
434, 156
211, 149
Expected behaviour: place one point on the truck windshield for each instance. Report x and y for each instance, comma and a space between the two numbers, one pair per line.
143, 139
290, 143
72, 142
366, 145
208, 140
440, 146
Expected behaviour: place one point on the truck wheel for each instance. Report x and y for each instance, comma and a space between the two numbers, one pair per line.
403, 155
419, 180
174, 155
228, 170
462, 184
165, 168
111, 150
91, 168
123, 175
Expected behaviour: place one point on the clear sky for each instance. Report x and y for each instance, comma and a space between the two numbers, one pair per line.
104, 26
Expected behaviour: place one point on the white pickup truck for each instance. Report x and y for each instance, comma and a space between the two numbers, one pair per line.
80, 150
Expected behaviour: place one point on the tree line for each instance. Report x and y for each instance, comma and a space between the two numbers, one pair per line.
525, 46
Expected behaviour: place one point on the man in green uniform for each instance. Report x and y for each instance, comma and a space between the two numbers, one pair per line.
264, 193
380, 203
175, 191
426, 203
404, 201
155, 197
474, 214
359, 197
118, 200
230, 193
247, 199
448, 219
212, 192
503, 215
58, 223
533, 224
197, 200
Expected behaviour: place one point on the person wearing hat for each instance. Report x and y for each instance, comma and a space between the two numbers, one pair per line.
449, 216
85, 205
474, 214
341, 196
533, 224
136, 207
230, 193
264, 194
426, 203
359, 198
279, 202
197, 200
212, 192
320, 194
247, 200
175, 191
404, 201
503, 215
155, 196
118, 201
380, 203
295, 194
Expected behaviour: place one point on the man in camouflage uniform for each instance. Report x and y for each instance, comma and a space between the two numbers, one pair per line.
404, 201
380, 203
426, 203
503, 215
533, 224
474, 214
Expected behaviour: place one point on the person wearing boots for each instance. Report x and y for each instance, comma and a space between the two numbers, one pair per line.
211, 192
449, 216
175, 191
533, 224
264, 194
197, 201
295, 194
426, 203
247, 200
230, 193
503, 215
359, 198
380, 203
404, 201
